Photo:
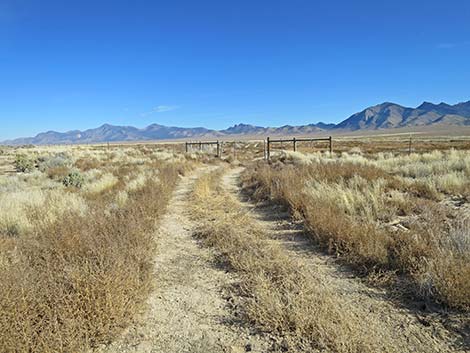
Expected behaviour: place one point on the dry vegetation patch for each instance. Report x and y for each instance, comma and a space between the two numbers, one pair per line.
382, 212
75, 262
279, 295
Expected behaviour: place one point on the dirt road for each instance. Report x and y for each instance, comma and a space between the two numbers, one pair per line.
188, 311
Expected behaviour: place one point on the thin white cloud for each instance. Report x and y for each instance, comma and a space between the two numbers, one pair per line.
452, 45
160, 109
165, 108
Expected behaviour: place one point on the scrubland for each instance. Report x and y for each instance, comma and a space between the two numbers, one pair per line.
391, 216
77, 241
279, 296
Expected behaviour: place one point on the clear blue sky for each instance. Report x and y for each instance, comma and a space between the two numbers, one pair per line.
79, 64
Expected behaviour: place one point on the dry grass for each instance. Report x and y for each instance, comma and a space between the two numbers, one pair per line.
381, 212
76, 269
280, 296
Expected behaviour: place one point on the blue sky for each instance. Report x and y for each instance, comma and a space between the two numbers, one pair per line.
78, 64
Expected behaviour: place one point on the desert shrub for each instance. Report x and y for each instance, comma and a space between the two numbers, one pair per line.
24, 163
85, 164
450, 270
74, 179
58, 173
59, 160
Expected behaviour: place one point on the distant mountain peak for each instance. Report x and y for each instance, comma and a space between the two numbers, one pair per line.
425, 105
243, 129
391, 115
385, 104
429, 106
381, 116
242, 125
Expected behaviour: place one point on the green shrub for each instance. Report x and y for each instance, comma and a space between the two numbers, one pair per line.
74, 179
24, 164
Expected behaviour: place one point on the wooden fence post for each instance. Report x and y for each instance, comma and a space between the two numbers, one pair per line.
331, 145
268, 152
186, 147
295, 145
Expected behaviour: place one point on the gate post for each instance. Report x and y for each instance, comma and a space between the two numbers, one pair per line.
268, 152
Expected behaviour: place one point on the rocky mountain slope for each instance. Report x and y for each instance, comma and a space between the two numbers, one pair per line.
390, 115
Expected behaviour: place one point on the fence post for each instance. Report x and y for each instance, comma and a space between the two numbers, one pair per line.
186, 147
295, 145
200, 146
331, 147
268, 152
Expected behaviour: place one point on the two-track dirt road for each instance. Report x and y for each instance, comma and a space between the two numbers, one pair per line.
189, 310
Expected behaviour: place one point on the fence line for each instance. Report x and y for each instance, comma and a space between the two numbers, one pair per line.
201, 143
408, 144
294, 141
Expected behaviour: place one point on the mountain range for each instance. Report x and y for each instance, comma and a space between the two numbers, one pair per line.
379, 117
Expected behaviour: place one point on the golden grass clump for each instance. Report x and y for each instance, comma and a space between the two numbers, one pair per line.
105, 182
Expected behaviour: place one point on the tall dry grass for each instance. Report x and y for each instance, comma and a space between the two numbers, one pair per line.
77, 279
369, 213
279, 295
